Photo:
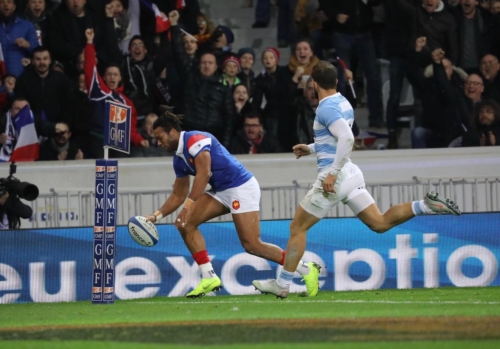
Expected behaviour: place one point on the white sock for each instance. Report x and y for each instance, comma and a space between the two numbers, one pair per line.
207, 271
303, 268
420, 208
285, 279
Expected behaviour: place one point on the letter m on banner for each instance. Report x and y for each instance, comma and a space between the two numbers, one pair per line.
117, 126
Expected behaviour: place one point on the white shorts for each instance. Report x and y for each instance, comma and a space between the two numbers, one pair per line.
242, 199
349, 188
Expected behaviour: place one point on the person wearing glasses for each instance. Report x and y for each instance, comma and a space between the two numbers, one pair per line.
252, 139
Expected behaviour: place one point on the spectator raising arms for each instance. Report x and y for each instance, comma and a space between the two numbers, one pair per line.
206, 28
100, 90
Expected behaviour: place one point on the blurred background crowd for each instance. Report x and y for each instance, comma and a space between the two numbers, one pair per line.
61, 60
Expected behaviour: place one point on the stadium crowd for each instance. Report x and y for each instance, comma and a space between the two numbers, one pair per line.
62, 59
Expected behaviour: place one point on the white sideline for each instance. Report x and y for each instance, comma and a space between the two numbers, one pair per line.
332, 301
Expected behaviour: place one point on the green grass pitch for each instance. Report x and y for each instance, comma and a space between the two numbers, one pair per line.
416, 318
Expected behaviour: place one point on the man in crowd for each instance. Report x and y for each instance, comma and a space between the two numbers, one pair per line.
252, 139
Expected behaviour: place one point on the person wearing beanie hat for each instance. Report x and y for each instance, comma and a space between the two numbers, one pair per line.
275, 52
223, 38
246, 75
231, 68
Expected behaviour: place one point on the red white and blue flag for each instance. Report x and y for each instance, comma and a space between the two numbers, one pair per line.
162, 21
22, 142
3, 70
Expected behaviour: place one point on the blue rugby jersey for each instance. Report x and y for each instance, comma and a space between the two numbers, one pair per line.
227, 172
330, 109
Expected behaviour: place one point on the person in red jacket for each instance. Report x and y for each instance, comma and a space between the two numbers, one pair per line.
100, 89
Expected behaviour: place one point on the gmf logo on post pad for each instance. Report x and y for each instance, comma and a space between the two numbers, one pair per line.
117, 126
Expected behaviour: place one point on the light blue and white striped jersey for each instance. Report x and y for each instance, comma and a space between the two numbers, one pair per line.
330, 109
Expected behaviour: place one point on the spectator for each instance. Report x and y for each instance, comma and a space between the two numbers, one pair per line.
122, 21
398, 34
474, 30
208, 104
434, 22
48, 92
82, 116
246, 75
36, 13
444, 106
220, 43
242, 104
231, 68
287, 30
66, 30
309, 24
485, 130
7, 92
17, 38
140, 72
353, 34
302, 63
305, 112
153, 149
60, 146
276, 85
262, 14
191, 46
495, 7
205, 28
490, 69
100, 90
252, 139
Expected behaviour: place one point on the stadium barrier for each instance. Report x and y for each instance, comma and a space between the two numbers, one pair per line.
76, 208
55, 265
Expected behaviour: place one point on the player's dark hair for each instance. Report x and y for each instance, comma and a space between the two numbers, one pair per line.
325, 75
168, 120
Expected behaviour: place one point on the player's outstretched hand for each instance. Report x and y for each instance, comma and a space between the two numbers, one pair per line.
301, 150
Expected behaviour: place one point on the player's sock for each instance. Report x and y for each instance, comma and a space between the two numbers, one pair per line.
285, 279
420, 208
201, 258
303, 268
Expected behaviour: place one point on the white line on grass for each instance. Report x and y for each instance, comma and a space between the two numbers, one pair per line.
333, 301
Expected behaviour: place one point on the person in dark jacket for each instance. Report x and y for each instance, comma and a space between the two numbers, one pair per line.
252, 139
485, 130
48, 91
432, 21
353, 34
36, 12
490, 72
247, 75
60, 146
305, 111
66, 34
208, 104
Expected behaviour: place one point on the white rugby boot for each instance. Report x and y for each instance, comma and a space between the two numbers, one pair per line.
272, 287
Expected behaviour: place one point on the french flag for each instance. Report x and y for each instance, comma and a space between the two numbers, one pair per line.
162, 21
3, 70
26, 146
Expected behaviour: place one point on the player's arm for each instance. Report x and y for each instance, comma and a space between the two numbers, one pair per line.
341, 130
303, 150
174, 201
203, 164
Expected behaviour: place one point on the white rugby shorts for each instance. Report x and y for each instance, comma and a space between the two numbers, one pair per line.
242, 199
349, 188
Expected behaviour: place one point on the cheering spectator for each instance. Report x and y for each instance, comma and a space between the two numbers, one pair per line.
60, 146
205, 29
17, 38
140, 72
191, 46
485, 129
275, 84
309, 24
444, 107
208, 104
48, 92
474, 30
153, 149
242, 104
66, 30
305, 112
353, 34
490, 68
101, 89
36, 13
246, 75
302, 63
252, 139
231, 68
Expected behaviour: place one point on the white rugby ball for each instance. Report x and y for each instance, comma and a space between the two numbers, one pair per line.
143, 231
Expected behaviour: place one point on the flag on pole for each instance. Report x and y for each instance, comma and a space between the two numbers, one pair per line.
22, 143
162, 21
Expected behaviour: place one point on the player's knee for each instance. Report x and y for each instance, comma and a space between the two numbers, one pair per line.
251, 246
296, 229
378, 227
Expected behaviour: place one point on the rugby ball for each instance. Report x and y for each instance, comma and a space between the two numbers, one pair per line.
143, 231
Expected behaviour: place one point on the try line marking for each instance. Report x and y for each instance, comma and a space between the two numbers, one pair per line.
331, 301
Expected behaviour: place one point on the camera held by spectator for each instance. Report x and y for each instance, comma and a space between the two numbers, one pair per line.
11, 207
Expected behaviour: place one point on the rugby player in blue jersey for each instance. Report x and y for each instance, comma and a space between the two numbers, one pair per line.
339, 180
233, 190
